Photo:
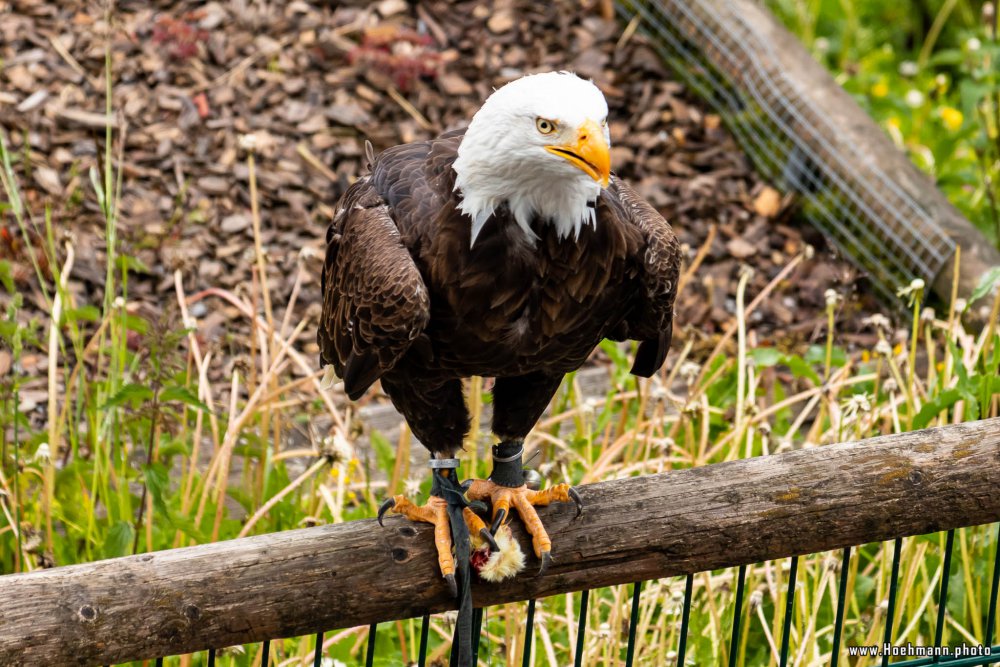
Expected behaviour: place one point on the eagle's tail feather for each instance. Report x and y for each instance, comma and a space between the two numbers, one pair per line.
360, 372
651, 354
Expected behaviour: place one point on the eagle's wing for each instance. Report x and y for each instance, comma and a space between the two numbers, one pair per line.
651, 321
375, 303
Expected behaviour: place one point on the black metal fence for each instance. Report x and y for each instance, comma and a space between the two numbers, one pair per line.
740, 606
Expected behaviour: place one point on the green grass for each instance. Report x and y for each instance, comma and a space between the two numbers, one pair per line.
929, 72
136, 451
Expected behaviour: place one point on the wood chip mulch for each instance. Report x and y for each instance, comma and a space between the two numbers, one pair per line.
310, 81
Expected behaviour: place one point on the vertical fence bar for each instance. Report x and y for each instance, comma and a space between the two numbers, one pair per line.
159, 662
211, 657
838, 624
992, 614
633, 622
265, 650
318, 653
949, 547
425, 625
529, 630
685, 618
581, 629
897, 546
789, 608
370, 653
734, 639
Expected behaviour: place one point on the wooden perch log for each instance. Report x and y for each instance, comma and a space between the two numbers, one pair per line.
302, 581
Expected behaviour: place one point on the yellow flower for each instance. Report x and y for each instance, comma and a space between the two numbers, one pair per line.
951, 118
866, 356
880, 89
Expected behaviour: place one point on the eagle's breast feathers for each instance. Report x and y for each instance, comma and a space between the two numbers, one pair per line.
404, 286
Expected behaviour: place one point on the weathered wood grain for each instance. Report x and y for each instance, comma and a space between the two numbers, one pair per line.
302, 581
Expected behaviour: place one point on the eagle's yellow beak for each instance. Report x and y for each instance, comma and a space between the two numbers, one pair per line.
589, 152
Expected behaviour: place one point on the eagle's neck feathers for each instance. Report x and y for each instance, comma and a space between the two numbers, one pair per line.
565, 203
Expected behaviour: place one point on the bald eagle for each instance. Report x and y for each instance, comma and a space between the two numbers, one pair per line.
506, 250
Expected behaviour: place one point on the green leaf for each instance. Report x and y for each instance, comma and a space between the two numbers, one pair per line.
129, 263
986, 283
83, 313
816, 355
158, 484
801, 369
182, 395
931, 409
118, 541
172, 448
766, 356
6, 275
947, 57
136, 323
131, 394
960, 370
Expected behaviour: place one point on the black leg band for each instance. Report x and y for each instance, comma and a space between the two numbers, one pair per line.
508, 469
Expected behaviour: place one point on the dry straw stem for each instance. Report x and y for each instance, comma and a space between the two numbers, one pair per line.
756, 301
274, 500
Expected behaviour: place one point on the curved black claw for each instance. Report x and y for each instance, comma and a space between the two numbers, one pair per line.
452, 585
546, 559
466, 484
488, 538
478, 506
497, 520
386, 506
576, 499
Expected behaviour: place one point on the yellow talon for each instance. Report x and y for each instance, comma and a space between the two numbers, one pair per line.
434, 512
524, 500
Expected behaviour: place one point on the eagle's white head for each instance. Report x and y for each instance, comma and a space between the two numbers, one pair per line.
540, 145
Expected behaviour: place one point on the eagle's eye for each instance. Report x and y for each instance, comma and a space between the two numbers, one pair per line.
545, 126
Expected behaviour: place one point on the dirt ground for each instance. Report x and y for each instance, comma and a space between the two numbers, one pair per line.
310, 81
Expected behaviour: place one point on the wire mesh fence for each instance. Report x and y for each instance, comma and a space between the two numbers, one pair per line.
867, 215
782, 652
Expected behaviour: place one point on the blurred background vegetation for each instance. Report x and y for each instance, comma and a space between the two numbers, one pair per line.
926, 70
115, 439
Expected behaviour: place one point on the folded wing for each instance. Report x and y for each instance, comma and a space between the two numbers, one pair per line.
375, 303
651, 322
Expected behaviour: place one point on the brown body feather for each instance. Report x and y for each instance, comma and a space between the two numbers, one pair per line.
407, 301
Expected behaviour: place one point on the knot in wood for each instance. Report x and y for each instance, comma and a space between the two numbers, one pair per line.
191, 612
87, 613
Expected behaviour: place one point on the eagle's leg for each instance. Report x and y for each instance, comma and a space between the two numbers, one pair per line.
504, 493
435, 512
518, 402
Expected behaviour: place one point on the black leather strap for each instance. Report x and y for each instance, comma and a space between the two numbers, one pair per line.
445, 485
